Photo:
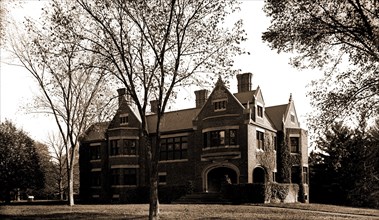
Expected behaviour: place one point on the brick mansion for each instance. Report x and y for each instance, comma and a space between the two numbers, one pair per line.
225, 134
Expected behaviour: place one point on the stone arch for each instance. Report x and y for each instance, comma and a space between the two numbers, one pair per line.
214, 176
259, 175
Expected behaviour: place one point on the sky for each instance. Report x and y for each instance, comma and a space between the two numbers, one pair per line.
271, 72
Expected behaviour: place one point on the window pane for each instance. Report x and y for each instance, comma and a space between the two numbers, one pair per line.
222, 137
184, 146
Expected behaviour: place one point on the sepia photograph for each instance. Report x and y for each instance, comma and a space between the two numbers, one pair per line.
189, 109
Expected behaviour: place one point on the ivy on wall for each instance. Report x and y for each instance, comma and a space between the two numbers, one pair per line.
267, 157
284, 159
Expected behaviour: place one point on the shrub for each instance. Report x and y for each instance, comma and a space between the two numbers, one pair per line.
280, 191
246, 193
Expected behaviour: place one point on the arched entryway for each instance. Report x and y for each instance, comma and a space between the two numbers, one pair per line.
215, 177
259, 175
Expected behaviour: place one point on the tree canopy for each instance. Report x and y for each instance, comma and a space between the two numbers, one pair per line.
341, 38
346, 169
21, 166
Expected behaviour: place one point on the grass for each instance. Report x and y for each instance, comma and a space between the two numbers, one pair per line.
261, 211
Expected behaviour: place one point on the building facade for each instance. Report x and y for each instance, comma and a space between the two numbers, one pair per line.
225, 134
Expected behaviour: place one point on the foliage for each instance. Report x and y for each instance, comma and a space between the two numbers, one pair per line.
20, 165
247, 193
340, 37
267, 158
47, 168
346, 170
280, 191
5, 7
284, 159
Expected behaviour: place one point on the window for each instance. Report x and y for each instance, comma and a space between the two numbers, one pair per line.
129, 146
260, 140
115, 176
260, 111
233, 137
96, 178
294, 143
295, 174
95, 152
174, 148
124, 119
205, 140
162, 178
275, 143
220, 138
130, 176
293, 118
305, 175
217, 138
220, 105
114, 147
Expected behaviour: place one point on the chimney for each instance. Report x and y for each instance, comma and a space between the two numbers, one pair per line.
154, 106
244, 82
121, 96
201, 97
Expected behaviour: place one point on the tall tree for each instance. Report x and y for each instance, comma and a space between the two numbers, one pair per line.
153, 47
72, 81
340, 37
59, 160
47, 167
19, 161
345, 171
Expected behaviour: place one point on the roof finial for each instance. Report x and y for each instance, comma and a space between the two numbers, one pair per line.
290, 100
219, 81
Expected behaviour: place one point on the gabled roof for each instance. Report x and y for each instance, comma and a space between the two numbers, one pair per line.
245, 97
276, 114
173, 121
96, 131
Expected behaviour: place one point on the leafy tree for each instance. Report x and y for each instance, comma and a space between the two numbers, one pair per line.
345, 171
72, 82
340, 37
59, 162
20, 165
152, 48
47, 167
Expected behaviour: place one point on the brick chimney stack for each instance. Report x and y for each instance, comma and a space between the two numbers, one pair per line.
201, 97
154, 106
121, 96
244, 82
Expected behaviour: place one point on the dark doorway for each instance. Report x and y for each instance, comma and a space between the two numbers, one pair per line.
218, 176
259, 175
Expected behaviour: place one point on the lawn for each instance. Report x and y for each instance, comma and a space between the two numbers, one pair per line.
281, 211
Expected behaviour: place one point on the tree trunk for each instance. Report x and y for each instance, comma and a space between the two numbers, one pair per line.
71, 186
154, 202
153, 180
8, 197
60, 183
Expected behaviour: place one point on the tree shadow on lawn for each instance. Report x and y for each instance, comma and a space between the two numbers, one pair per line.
72, 215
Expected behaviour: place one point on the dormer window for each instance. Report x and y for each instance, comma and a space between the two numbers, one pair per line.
124, 119
220, 105
292, 117
260, 111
